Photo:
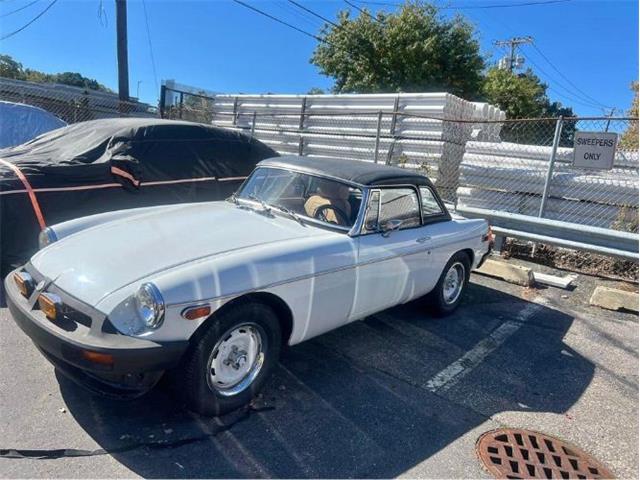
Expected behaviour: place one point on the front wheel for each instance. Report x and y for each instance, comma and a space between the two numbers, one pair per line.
231, 362
446, 295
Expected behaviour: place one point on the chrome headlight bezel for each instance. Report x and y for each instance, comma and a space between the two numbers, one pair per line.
149, 305
46, 237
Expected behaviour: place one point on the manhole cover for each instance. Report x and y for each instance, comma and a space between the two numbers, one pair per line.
515, 453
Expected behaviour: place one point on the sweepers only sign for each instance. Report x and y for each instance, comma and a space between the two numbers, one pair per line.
594, 150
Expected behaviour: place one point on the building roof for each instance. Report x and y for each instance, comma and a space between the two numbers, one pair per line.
352, 171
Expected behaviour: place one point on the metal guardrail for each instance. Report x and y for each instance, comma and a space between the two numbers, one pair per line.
562, 234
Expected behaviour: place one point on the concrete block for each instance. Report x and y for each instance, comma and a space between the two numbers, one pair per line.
614, 299
553, 280
508, 272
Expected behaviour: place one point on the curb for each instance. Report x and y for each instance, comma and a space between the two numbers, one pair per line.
508, 272
614, 299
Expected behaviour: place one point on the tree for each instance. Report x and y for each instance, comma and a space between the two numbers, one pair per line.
412, 50
10, 68
629, 138
524, 95
315, 91
519, 95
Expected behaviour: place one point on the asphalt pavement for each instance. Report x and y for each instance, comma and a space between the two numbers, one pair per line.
398, 394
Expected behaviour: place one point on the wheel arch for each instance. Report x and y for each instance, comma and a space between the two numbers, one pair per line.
469, 253
279, 306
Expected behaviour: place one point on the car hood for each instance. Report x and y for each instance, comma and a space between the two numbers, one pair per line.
93, 263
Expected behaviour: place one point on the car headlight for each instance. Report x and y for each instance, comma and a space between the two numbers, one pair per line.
46, 237
150, 305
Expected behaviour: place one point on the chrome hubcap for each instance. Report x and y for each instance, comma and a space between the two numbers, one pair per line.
453, 282
236, 359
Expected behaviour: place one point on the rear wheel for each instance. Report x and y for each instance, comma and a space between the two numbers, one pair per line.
446, 295
231, 362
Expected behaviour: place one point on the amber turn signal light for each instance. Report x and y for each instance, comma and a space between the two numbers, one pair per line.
49, 304
24, 282
97, 357
193, 313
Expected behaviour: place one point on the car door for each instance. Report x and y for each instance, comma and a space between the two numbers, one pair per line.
392, 266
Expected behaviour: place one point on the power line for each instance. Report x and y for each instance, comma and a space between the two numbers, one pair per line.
362, 11
285, 7
153, 59
282, 22
19, 9
472, 7
308, 10
8, 35
570, 95
584, 94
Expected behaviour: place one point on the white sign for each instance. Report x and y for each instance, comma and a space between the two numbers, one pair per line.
594, 149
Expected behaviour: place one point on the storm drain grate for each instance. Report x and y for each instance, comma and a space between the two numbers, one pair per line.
516, 453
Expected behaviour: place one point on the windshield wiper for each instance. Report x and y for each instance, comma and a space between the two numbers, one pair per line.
265, 207
291, 213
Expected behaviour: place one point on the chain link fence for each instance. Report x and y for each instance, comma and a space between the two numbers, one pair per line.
476, 158
522, 167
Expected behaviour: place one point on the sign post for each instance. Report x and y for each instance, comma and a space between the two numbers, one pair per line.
594, 150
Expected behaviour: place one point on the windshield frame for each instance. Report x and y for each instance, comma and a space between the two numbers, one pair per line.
276, 209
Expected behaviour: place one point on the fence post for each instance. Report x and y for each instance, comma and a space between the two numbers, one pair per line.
235, 111
303, 111
552, 161
394, 118
377, 147
253, 124
163, 99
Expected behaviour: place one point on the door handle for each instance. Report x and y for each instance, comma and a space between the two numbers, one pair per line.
423, 239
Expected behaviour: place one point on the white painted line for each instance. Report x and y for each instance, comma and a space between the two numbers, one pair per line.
451, 374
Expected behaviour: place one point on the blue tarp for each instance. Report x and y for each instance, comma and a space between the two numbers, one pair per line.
20, 123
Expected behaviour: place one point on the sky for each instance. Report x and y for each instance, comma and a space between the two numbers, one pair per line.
587, 50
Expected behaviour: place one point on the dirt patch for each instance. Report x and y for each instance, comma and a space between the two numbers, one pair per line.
572, 260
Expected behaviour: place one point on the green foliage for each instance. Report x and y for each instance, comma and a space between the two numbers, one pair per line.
519, 95
10, 68
412, 50
629, 138
315, 91
524, 95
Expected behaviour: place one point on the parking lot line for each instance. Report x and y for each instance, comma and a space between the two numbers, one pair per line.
451, 374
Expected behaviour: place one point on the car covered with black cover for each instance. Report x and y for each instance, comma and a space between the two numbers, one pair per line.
113, 164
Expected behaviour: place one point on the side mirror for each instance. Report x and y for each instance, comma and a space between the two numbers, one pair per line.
389, 226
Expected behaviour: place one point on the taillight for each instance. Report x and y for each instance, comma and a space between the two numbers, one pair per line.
488, 237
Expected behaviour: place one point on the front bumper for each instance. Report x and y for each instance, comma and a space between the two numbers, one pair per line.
65, 344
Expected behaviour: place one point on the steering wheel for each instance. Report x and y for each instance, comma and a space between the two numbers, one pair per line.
341, 217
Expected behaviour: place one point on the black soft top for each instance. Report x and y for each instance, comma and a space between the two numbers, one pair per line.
352, 171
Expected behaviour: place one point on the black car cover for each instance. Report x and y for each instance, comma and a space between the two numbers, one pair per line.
113, 164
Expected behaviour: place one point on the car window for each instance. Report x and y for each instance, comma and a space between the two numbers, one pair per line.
430, 205
322, 199
394, 204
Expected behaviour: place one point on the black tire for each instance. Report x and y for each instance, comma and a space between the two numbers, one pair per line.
193, 378
438, 302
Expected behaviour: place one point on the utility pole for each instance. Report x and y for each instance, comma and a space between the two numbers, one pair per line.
123, 56
513, 43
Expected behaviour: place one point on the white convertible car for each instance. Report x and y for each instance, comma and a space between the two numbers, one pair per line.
209, 292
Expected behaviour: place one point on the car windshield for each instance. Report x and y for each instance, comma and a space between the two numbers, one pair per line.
303, 195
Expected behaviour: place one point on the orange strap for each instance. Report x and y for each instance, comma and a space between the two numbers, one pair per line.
125, 174
30, 192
